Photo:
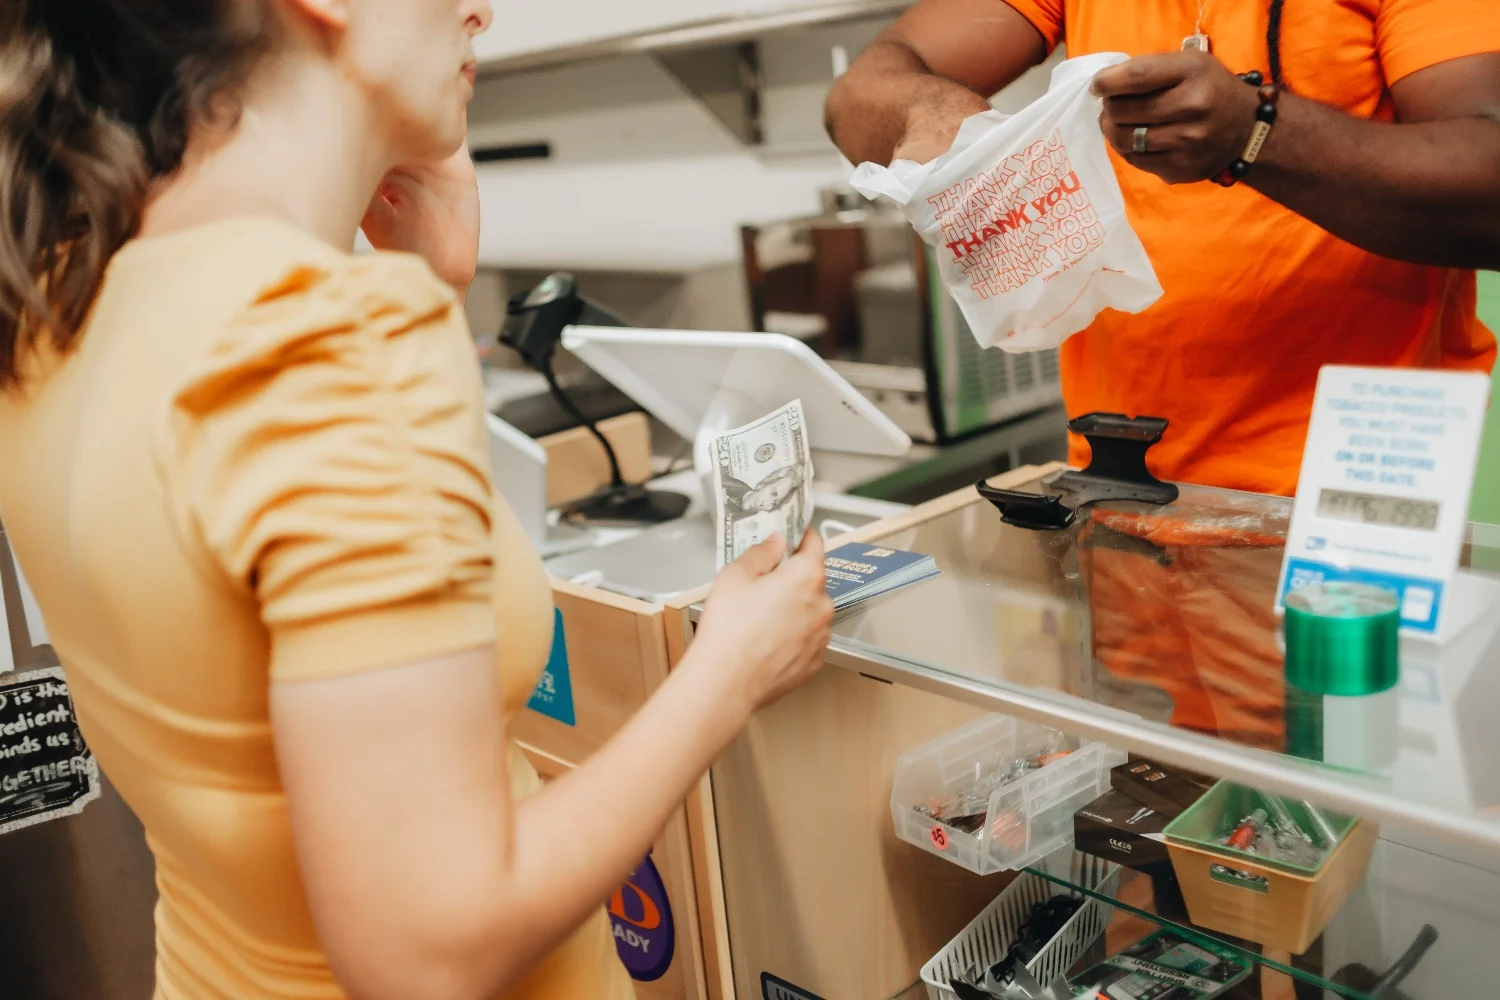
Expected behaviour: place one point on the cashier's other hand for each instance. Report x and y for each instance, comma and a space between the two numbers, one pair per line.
431, 210
1197, 114
766, 623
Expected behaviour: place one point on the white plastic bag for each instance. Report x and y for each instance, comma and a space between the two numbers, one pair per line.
1026, 217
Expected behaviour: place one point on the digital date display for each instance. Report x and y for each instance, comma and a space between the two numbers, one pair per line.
1389, 512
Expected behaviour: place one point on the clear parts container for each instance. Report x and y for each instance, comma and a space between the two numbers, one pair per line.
997, 794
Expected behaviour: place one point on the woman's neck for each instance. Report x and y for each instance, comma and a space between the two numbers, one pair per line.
303, 150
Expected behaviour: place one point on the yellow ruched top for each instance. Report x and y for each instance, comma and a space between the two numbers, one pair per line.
263, 460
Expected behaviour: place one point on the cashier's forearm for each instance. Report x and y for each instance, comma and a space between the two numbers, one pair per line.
1425, 193
887, 95
910, 90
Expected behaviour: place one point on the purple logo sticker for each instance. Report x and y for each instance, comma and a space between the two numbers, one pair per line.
642, 919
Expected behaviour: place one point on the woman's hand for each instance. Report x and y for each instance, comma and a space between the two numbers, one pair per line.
431, 210
766, 624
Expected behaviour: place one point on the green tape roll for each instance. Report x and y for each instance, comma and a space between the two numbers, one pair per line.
1343, 639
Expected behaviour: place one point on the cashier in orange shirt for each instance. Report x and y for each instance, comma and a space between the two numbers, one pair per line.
1353, 239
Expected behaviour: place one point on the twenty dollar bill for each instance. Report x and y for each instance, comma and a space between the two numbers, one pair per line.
763, 482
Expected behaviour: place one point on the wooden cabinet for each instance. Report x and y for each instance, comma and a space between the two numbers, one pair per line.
617, 656
800, 874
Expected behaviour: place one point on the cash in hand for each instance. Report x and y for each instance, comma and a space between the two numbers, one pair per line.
763, 483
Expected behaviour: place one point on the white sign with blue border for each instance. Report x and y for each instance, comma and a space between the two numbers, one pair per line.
553, 696
1384, 493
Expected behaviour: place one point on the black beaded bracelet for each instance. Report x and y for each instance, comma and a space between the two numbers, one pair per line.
1265, 117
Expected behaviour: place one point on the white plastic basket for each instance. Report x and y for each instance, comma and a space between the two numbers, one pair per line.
1039, 805
989, 936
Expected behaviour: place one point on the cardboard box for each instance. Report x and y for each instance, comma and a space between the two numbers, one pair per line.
1168, 790
1119, 829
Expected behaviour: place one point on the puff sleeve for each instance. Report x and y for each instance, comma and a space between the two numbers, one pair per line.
331, 461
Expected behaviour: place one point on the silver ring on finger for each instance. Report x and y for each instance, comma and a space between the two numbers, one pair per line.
1138, 139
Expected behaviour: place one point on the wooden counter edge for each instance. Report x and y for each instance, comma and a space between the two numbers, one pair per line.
703, 833
605, 597
677, 865
679, 828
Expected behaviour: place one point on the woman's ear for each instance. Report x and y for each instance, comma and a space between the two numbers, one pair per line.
328, 13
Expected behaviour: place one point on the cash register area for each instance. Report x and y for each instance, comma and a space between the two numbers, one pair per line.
1064, 743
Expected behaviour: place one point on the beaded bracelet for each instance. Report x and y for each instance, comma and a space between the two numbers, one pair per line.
1265, 117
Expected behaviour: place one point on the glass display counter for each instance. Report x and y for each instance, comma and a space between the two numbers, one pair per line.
1151, 630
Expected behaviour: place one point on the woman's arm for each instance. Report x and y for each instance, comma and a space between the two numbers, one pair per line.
424, 879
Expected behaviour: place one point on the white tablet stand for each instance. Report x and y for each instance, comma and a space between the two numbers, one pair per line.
701, 384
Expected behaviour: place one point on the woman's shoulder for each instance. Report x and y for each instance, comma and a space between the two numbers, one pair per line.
297, 283
259, 271
300, 301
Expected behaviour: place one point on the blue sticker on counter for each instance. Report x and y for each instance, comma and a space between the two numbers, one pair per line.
553, 696
772, 988
1420, 598
644, 936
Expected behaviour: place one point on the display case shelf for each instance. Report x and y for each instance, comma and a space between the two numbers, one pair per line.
1154, 630
1265, 981
1357, 958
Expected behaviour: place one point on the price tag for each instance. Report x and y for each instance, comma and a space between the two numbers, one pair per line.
1386, 479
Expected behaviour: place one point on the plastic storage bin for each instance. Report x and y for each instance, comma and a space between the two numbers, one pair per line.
989, 936
1273, 904
1026, 820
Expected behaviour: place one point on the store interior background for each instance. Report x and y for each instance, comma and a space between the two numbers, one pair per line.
643, 196
645, 190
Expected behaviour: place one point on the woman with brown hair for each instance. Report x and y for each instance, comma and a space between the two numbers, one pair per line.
245, 473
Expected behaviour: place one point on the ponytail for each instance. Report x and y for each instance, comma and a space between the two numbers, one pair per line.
97, 98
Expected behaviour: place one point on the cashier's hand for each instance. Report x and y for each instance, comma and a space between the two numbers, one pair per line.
766, 623
432, 210
1198, 115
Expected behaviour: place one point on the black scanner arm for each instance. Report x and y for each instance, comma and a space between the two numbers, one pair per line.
1116, 472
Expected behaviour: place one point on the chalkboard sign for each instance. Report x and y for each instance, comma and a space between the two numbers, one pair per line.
46, 770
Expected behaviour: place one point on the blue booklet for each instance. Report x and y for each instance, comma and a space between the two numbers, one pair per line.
857, 572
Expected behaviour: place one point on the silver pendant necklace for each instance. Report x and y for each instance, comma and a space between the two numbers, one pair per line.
1198, 41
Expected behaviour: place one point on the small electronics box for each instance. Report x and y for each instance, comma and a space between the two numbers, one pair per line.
1168, 790
1119, 829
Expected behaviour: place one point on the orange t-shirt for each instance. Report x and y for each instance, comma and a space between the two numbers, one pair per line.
1258, 299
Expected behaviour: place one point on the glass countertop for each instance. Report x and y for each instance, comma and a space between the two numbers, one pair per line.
1154, 629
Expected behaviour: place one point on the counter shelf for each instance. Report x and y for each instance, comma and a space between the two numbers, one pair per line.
1100, 629
1152, 630
1353, 960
